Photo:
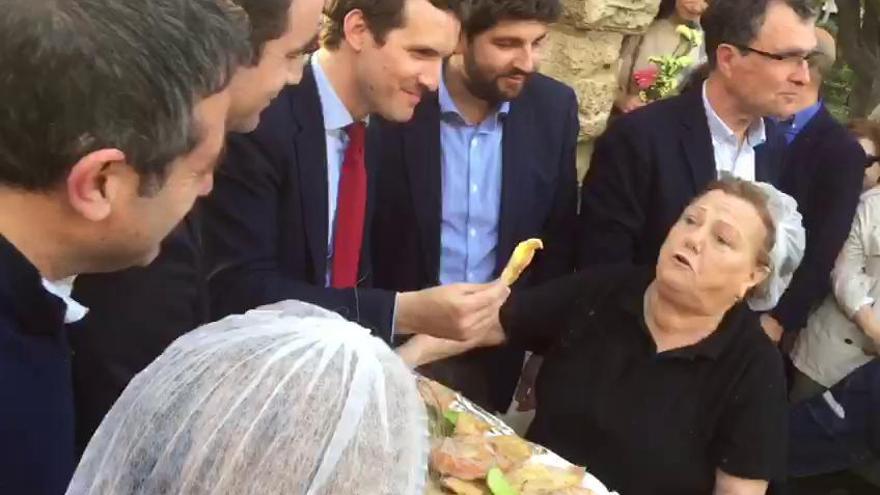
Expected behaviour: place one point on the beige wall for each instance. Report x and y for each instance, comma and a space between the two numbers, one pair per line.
583, 51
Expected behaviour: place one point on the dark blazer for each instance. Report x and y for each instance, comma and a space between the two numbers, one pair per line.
823, 172
538, 199
133, 316
645, 169
265, 224
36, 396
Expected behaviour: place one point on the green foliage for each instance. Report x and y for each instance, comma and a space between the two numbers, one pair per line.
670, 67
836, 90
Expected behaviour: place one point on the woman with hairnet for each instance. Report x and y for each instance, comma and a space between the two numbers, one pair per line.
288, 399
660, 379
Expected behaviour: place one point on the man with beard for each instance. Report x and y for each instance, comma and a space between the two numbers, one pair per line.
289, 214
486, 163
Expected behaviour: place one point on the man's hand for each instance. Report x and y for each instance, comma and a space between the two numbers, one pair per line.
460, 312
630, 103
423, 349
772, 327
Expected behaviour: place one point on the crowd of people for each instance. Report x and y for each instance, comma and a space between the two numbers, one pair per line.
229, 229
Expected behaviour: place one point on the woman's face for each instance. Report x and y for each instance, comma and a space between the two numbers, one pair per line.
710, 256
690, 10
872, 173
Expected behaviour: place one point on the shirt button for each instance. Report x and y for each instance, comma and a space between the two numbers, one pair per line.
474, 142
472, 232
474, 188
470, 276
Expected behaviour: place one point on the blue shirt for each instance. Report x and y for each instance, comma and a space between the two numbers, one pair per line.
336, 119
471, 184
800, 120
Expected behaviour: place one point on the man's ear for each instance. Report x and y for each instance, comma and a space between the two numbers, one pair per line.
725, 57
94, 181
355, 29
462, 44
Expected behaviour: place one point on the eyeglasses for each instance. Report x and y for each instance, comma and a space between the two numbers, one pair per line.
870, 160
793, 59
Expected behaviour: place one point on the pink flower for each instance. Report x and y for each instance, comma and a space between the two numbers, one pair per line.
645, 78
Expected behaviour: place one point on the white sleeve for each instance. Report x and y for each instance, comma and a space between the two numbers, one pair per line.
849, 282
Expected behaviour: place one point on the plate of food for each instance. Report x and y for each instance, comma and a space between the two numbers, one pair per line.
475, 453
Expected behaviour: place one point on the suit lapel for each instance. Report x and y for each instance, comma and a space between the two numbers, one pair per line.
770, 157
422, 155
696, 141
515, 159
311, 164
763, 161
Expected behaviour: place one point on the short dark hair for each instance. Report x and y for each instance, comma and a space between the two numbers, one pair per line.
381, 17
267, 21
482, 15
666, 9
738, 22
82, 75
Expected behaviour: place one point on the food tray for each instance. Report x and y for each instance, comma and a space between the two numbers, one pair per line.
540, 454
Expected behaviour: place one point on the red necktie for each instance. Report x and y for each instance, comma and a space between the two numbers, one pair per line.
350, 211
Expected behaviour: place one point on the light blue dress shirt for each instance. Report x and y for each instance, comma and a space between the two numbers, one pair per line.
336, 119
471, 184
793, 127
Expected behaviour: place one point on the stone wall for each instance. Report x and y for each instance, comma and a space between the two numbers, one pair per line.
583, 51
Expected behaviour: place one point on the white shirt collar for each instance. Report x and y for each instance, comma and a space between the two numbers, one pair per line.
756, 134
336, 116
63, 288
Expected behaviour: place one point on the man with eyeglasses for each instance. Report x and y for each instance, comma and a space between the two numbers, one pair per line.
823, 172
651, 162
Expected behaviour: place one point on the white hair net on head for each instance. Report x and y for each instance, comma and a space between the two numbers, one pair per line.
788, 248
287, 398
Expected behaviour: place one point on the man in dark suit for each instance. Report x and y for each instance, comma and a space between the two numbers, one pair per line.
824, 172
487, 162
288, 216
91, 180
135, 314
650, 163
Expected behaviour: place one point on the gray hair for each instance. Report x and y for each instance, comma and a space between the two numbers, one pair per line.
738, 22
82, 75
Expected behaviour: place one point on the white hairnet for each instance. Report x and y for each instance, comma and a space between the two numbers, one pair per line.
286, 399
788, 248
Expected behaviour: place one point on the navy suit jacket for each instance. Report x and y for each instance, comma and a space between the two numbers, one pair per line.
538, 199
823, 172
645, 169
36, 395
133, 316
265, 225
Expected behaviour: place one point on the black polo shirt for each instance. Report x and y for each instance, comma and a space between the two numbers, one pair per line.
36, 393
643, 422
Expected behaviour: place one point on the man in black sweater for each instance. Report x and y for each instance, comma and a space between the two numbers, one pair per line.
104, 147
